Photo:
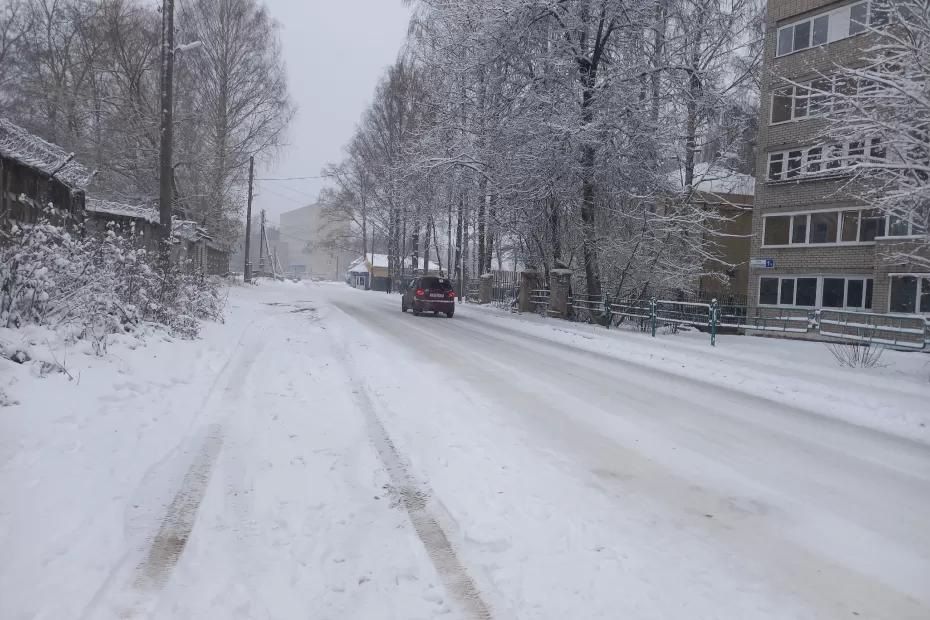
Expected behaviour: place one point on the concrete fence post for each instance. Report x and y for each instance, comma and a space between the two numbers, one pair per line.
529, 281
561, 282
485, 288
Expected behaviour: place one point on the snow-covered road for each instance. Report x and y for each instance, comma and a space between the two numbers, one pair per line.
334, 458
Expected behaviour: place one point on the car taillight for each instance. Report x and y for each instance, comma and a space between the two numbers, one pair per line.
451, 295
420, 292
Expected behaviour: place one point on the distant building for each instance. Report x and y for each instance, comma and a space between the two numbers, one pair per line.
317, 246
38, 180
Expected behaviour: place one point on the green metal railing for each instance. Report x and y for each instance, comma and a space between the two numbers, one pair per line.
910, 332
896, 331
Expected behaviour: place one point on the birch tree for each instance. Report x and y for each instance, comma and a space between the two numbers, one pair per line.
883, 105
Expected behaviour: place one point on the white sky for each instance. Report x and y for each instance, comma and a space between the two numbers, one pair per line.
336, 51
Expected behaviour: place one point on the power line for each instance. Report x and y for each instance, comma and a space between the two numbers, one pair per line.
292, 199
295, 191
288, 178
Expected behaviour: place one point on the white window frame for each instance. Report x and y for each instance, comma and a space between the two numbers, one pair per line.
807, 213
781, 277
833, 34
793, 117
910, 230
818, 295
920, 283
829, 153
827, 95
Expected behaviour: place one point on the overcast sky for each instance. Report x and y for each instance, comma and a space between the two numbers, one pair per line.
336, 50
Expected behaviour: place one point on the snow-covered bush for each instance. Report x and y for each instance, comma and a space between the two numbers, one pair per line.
97, 286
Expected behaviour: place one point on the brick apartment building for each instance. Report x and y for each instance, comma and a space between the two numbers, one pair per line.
813, 245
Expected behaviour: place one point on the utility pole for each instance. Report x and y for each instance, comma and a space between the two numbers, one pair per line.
247, 268
166, 191
261, 247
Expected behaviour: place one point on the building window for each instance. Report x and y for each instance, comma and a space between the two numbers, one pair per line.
827, 27
872, 225
859, 294
823, 227
776, 164
782, 104
796, 102
846, 226
837, 292
850, 226
910, 293
789, 291
834, 290
790, 103
804, 100
858, 18
768, 292
814, 156
786, 298
795, 159
799, 228
817, 161
899, 226
776, 230
806, 294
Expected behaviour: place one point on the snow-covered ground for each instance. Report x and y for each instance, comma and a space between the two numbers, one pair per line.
321, 455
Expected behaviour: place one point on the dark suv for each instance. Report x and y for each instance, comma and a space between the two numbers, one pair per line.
429, 294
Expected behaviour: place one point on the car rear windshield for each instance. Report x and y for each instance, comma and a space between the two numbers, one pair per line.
436, 284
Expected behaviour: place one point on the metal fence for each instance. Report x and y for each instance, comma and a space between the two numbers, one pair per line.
897, 331
732, 314
539, 298
791, 320
893, 330
504, 287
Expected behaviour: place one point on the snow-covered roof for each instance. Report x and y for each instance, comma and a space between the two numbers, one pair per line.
108, 207
30, 150
716, 179
380, 261
188, 230
408, 262
359, 265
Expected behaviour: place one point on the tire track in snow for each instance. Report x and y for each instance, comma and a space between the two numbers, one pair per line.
415, 498
178, 522
130, 587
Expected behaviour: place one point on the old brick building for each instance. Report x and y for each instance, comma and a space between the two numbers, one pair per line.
814, 245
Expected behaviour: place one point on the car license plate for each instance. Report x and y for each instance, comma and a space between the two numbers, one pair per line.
436, 295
